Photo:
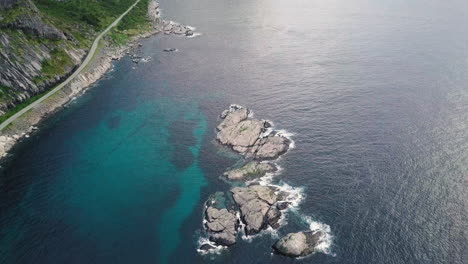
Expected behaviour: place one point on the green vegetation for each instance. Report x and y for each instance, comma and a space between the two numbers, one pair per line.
118, 38
18, 107
134, 23
97, 14
137, 18
56, 65
5, 93
10, 15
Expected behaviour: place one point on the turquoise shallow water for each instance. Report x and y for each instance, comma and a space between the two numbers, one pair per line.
131, 169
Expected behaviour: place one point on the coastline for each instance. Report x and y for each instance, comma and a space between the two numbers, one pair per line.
101, 64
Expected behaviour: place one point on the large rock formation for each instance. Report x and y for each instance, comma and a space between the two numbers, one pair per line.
221, 221
246, 135
222, 225
255, 203
298, 244
250, 170
32, 24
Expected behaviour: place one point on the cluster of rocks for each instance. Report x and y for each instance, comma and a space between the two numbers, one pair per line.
251, 208
247, 135
170, 27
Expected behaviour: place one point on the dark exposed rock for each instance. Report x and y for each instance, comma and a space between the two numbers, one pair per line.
282, 205
249, 170
6, 4
207, 247
273, 216
298, 244
32, 24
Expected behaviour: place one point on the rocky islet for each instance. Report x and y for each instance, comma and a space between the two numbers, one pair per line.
251, 207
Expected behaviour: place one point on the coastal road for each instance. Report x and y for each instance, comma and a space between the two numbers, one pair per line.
86, 61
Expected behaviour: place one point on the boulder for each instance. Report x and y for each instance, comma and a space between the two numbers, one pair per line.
282, 205
222, 225
245, 135
298, 244
233, 117
254, 203
270, 147
250, 170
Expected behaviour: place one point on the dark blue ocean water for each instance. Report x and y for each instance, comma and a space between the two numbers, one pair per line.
374, 91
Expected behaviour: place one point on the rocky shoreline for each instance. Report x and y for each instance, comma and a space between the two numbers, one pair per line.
251, 207
100, 65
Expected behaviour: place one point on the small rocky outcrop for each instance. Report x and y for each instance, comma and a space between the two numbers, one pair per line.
254, 203
170, 27
207, 247
250, 170
246, 135
298, 244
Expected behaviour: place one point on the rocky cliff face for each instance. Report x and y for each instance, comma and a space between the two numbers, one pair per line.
5, 4
34, 54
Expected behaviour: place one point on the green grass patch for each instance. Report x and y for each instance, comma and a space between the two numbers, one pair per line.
6, 93
97, 14
56, 65
20, 106
136, 18
10, 15
118, 38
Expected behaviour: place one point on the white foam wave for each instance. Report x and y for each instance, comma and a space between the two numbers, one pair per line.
287, 135
194, 35
147, 59
216, 249
326, 242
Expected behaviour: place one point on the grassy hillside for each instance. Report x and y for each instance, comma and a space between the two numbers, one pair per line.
57, 32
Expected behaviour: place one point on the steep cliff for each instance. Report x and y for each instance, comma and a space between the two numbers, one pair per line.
43, 41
